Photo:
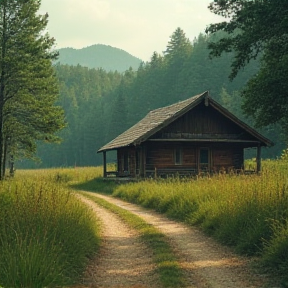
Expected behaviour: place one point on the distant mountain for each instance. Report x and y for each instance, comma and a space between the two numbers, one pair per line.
99, 56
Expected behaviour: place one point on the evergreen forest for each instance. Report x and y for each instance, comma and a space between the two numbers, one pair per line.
101, 104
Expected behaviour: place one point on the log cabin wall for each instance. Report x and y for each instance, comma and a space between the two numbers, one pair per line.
126, 161
227, 158
222, 159
132, 162
216, 157
164, 156
238, 158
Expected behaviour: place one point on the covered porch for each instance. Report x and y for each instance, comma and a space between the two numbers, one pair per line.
148, 161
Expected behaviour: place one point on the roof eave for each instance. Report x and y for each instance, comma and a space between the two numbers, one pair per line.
102, 149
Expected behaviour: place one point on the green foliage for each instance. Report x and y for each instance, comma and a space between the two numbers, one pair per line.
276, 249
87, 105
284, 155
28, 85
178, 50
46, 234
257, 28
119, 113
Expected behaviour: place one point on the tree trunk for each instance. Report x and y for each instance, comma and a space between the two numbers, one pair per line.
11, 171
5, 148
2, 91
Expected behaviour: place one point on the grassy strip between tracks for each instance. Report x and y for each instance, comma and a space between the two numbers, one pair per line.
171, 274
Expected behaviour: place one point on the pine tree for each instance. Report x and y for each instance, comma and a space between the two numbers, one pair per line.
178, 44
28, 85
177, 52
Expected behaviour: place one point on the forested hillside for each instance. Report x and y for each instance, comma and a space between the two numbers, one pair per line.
99, 56
99, 105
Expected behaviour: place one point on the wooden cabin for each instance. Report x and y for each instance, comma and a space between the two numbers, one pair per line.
193, 136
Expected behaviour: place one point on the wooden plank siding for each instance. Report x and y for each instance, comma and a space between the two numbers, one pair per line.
202, 122
161, 156
160, 159
126, 162
227, 159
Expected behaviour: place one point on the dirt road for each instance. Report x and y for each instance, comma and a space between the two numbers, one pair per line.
125, 262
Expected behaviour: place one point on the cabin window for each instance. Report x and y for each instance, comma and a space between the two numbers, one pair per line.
204, 156
204, 159
178, 157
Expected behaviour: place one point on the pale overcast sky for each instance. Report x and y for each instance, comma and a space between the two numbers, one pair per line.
139, 27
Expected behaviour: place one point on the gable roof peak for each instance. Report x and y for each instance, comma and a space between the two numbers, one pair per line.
152, 122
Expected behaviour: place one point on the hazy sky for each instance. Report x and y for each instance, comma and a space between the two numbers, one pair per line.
139, 27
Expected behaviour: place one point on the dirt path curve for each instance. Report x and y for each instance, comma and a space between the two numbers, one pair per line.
123, 260
207, 263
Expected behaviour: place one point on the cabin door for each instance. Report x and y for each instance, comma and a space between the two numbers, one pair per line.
204, 159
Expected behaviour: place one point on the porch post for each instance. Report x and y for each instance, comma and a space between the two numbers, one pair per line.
258, 159
104, 165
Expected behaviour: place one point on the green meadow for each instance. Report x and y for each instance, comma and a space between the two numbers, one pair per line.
47, 236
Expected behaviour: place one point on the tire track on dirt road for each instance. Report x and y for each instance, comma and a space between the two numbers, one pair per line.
206, 263
123, 260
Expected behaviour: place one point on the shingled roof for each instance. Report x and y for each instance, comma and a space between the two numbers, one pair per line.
161, 117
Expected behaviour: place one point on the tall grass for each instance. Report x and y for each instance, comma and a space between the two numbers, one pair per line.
62, 175
46, 235
247, 212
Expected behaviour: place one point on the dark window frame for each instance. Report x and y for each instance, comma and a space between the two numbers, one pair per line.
178, 156
204, 159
